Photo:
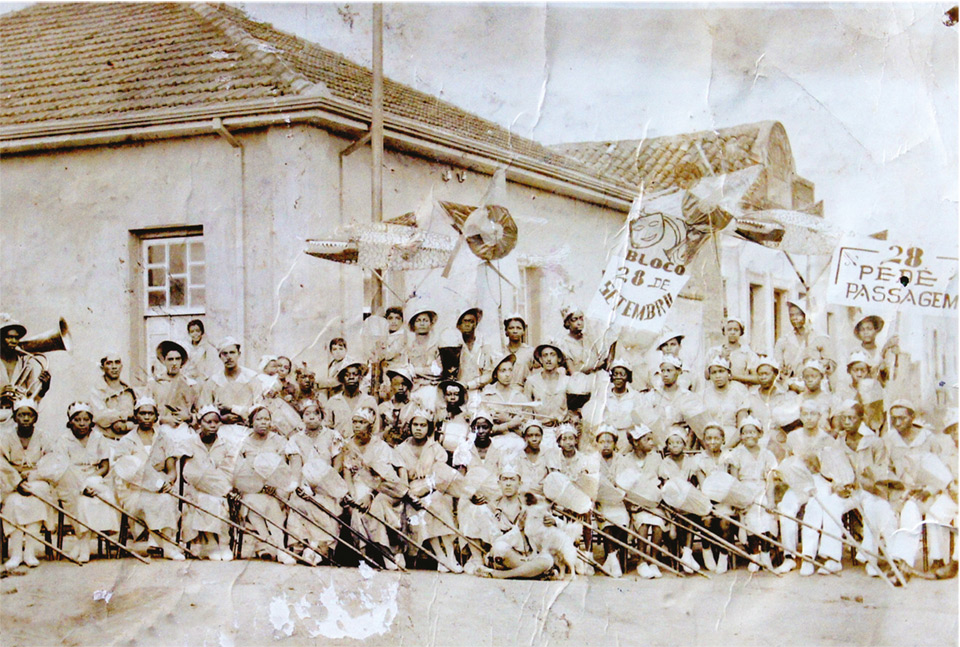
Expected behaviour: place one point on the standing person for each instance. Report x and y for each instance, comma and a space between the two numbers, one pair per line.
583, 353
751, 464
723, 398
22, 374
208, 478
112, 399
205, 356
144, 471
319, 464
422, 350
23, 449
421, 455
515, 330
234, 390
85, 456
741, 357
395, 354
645, 462
548, 386
476, 358
506, 421
262, 471
392, 418
770, 401
175, 393
670, 399
798, 345
342, 406
621, 400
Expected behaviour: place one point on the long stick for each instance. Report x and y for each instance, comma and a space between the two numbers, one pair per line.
459, 534
846, 542
110, 541
283, 530
385, 553
597, 565
639, 553
896, 571
776, 543
703, 533
40, 539
236, 526
407, 538
144, 524
637, 536
328, 533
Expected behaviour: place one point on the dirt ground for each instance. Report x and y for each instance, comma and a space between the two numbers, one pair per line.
236, 604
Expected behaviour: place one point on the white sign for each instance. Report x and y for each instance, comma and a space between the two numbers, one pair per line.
647, 272
895, 275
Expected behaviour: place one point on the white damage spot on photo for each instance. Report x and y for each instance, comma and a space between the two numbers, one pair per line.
103, 594
378, 608
280, 616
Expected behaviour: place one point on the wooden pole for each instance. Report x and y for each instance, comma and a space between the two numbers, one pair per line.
376, 141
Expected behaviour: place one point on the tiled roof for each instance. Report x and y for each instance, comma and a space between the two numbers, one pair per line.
678, 160
67, 61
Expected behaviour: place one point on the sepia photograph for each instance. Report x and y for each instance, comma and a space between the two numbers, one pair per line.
479, 323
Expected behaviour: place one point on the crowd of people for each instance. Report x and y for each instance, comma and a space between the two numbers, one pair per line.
516, 458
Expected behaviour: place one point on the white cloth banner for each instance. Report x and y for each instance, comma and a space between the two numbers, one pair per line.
645, 272
895, 276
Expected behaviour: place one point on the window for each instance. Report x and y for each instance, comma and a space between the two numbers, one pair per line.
758, 318
528, 300
779, 304
174, 274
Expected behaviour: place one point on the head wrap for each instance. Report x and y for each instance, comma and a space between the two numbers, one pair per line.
77, 407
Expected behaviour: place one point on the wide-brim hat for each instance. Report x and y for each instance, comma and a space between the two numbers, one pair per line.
403, 372
509, 357
548, 344
667, 336
478, 313
347, 363
877, 322
167, 345
460, 387
13, 325
517, 316
802, 308
430, 313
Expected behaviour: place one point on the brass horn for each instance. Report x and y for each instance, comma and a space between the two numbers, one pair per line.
56, 339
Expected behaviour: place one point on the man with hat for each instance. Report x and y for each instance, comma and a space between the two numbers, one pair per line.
234, 390
174, 392
769, 400
392, 418
582, 352
548, 386
799, 344
515, 331
476, 358
342, 406
880, 359
112, 399
422, 351
23, 375
741, 357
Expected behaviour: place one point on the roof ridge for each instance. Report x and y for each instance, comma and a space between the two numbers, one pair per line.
259, 51
724, 130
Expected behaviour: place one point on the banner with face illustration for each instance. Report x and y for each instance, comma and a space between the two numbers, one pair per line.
647, 268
